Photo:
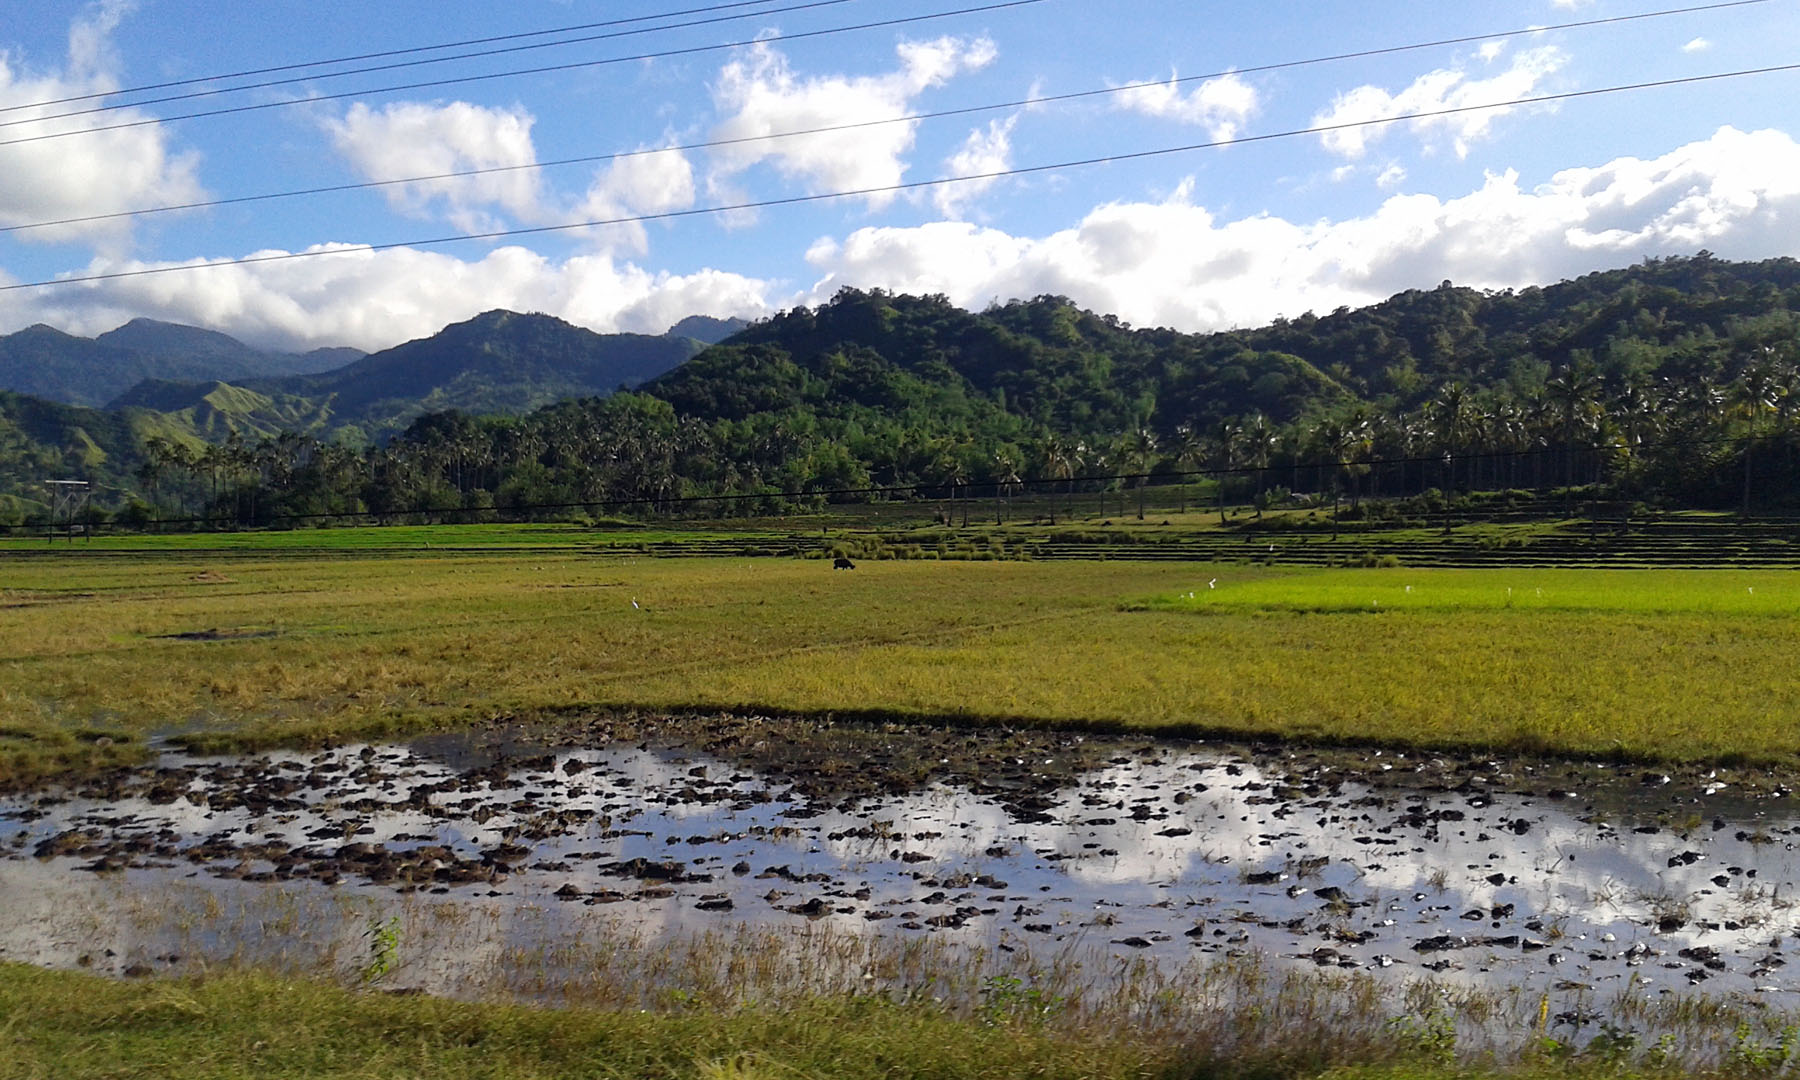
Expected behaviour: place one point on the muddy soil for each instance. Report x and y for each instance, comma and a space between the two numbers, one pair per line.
1542, 875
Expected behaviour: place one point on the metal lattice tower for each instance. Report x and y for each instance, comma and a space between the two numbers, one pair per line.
68, 498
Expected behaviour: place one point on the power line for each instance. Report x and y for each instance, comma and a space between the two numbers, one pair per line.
857, 125
793, 200
572, 66
373, 56
217, 91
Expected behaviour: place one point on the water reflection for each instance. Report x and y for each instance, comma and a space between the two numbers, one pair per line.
1167, 853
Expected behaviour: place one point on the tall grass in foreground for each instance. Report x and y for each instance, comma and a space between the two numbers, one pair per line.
676, 1005
266, 1024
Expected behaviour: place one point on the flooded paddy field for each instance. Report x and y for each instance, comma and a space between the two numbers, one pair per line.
636, 859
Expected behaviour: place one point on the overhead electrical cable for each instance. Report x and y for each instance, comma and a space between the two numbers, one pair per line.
576, 65
1029, 102
247, 73
915, 185
217, 91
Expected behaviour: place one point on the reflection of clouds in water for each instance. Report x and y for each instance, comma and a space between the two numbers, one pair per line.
1202, 826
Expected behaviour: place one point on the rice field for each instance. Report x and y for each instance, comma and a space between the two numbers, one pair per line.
104, 653
99, 652
1527, 592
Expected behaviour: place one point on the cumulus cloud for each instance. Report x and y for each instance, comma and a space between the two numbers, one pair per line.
1445, 88
761, 95
99, 172
1173, 263
375, 299
418, 139
645, 183
1219, 105
986, 150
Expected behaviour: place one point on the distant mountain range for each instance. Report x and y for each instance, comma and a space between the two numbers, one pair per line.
47, 363
204, 384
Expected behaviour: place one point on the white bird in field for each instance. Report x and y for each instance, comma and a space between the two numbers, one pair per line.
1213, 584
1409, 588
634, 604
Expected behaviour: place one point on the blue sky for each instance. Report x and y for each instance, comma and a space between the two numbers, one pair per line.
1199, 240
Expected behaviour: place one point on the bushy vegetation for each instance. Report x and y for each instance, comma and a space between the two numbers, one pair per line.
1673, 382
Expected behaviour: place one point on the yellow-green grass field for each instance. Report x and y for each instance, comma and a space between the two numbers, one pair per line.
1676, 665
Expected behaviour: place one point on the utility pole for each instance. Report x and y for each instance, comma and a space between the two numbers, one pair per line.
68, 498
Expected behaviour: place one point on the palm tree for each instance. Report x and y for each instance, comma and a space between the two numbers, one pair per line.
1223, 441
1258, 442
1062, 460
1188, 452
1753, 394
1006, 476
1574, 391
1137, 449
1449, 415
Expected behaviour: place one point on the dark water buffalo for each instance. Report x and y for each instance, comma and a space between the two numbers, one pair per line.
841, 563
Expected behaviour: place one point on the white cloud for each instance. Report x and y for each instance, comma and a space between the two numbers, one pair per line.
644, 183
1171, 263
1445, 88
373, 300
1699, 44
986, 150
1174, 264
417, 139
1219, 105
99, 172
761, 96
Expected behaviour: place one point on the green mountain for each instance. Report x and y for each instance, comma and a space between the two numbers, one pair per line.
498, 362
1054, 366
47, 440
172, 341
705, 329
48, 363
184, 412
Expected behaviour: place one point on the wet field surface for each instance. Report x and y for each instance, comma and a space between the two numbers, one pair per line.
1542, 876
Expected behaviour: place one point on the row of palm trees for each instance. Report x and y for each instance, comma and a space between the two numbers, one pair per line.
1669, 436
1687, 440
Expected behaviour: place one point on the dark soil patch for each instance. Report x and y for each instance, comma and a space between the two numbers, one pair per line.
218, 634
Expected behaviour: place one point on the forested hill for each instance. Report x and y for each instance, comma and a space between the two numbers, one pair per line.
1674, 379
1693, 320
